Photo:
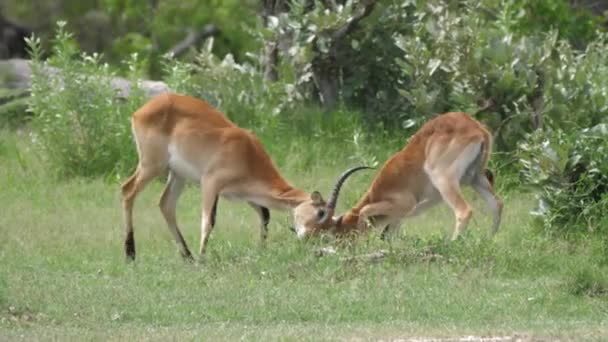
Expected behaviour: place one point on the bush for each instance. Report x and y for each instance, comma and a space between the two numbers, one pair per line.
568, 160
571, 172
82, 128
237, 88
577, 25
276, 111
80, 125
409, 60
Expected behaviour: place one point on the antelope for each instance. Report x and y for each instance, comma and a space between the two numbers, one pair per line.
193, 141
447, 152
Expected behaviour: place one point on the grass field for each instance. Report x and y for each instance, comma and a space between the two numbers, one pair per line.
63, 275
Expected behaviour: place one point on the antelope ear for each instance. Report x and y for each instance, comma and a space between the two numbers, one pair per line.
316, 198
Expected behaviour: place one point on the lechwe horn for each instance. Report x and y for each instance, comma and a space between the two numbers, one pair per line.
333, 199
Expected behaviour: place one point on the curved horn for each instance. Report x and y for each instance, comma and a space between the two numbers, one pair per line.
333, 199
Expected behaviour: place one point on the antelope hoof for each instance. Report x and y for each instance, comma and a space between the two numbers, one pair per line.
130, 247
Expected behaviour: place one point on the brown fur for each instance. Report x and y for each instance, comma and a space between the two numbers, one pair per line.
195, 141
424, 173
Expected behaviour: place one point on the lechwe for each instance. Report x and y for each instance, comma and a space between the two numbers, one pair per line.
448, 151
194, 141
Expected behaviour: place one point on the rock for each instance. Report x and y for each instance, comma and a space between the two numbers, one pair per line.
17, 74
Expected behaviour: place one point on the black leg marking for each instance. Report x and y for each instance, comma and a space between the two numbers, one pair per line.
213, 211
490, 177
130, 247
186, 252
188, 256
265, 215
385, 231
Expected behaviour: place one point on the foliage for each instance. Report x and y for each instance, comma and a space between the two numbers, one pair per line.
577, 25
152, 28
236, 88
576, 85
463, 61
571, 173
567, 161
403, 63
117, 28
273, 111
412, 59
80, 125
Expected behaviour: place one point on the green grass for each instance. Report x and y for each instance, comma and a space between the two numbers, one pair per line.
13, 104
63, 275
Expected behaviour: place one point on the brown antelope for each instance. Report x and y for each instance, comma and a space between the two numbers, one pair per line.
194, 141
446, 152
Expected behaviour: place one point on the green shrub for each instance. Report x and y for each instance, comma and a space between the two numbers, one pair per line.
568, 160
275, 112
238, 89
80, 124
82, 128
571, 172
577, 25
409, 60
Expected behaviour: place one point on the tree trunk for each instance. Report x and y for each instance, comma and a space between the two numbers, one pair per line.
326, 67
326, 73
193, 39
270, 59
538, 102
12, 39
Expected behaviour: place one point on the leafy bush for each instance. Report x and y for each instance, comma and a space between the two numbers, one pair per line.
82, 128
276, 112
464, 58
568, 161
80, 124
273, 110
467, 56
577, 25
236, 88
571, 172
576, 85
411, 59
153, 28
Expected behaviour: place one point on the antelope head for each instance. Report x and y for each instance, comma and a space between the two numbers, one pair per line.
316, 215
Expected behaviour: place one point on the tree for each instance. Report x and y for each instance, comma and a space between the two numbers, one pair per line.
326, 63
313, 38
12, 43
271, 9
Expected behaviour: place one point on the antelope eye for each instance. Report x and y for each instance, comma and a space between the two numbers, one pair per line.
320, 214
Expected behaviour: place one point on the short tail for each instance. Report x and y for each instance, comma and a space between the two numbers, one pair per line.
486, 150
490, 176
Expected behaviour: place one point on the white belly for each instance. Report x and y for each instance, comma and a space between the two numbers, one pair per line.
182, 167
247, 196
